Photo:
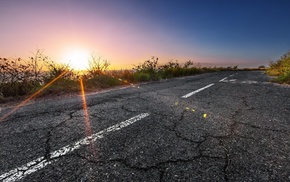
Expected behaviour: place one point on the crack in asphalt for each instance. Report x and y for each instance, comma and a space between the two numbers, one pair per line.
17, 116
91, 103
199, 143
265, 129
47, 145
179, 134
234, 124
160, 166
127, 109
227, 164
250, 108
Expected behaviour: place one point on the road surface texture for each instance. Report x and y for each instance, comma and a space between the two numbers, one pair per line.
223, 126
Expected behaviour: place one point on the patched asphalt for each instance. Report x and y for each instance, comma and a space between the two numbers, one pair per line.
236, 130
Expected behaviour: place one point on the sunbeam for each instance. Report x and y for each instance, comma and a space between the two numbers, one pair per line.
32, 96
88, 128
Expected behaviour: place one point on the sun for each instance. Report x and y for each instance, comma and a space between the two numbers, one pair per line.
77, 58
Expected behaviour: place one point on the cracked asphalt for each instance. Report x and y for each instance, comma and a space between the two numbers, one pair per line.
236, 130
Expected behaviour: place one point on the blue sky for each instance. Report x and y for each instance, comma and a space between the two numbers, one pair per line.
127, 32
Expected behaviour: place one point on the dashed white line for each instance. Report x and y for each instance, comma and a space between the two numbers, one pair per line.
223, 79
249, 81
232, 75
41, 162
196, 91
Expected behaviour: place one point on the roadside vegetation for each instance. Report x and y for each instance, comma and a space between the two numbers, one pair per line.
150, 70
20, 78
280, 69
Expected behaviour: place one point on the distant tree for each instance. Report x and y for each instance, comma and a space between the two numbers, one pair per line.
261, 67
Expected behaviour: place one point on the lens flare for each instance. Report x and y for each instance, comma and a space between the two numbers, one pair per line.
88, 128
31, 97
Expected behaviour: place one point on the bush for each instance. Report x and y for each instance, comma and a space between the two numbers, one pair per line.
149, 70
17, 88
141, 77
18, 77
173, 69
102, 81
61, 86
127, 76
280, 68
55, 70
97, 66
149, 67
284, 78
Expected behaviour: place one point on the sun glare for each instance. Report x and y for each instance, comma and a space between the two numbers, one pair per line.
77, 59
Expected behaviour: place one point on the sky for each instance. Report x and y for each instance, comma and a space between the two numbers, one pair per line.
248, 33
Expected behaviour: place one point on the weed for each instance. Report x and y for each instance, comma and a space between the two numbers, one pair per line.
18, 77
97, 66
148, 68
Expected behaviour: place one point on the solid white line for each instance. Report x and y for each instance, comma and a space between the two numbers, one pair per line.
223, 79
194, 92
41, 162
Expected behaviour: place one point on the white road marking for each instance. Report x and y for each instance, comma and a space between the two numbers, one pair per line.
232, 75
223, 79
194, 92
249, 81
41, 162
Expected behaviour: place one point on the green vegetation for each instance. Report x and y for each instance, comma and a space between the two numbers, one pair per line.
20, 78
280, 69
150, 71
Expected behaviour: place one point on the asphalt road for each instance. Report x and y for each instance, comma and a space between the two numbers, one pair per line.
225, 126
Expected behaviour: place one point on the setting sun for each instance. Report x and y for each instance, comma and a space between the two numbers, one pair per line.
77, 58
